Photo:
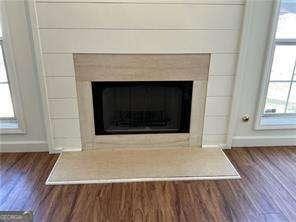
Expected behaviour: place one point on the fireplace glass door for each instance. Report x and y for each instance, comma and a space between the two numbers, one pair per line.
142, 107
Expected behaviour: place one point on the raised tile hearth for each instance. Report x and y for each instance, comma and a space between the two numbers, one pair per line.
138, 165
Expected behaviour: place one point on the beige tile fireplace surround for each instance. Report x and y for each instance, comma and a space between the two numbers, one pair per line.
141, 67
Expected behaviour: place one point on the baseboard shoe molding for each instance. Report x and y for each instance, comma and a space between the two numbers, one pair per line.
23, 146
71, 149
58, 150
251, 141
219, 146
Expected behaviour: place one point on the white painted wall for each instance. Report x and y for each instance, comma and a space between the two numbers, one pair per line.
134, 26
34, 139
253, 68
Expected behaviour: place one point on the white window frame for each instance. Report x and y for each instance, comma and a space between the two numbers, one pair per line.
272, 42
12, 77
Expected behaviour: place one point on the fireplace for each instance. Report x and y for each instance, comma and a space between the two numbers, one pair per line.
142, 107
141, 100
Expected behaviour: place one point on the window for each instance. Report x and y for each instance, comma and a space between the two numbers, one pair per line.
280, 100
11, 112
6, 108
281, 95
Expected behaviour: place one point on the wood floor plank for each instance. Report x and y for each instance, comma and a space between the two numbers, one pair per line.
273, 187
273, 197
266, 192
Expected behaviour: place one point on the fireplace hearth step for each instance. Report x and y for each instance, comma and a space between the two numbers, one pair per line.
137, 165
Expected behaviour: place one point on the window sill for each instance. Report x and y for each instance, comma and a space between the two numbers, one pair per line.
10, 126
277, 122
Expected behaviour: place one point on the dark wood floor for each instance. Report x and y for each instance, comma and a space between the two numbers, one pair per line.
266, 192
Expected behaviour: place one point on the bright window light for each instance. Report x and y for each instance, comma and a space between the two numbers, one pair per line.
6, 107
281, 94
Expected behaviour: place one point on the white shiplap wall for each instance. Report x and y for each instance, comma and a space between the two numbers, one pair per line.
134, 26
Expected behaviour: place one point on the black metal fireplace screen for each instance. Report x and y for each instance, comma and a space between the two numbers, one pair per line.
142, 107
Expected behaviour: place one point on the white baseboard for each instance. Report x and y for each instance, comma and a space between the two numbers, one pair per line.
23, 146
249, 141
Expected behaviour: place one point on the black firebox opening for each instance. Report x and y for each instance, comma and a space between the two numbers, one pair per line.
142, 107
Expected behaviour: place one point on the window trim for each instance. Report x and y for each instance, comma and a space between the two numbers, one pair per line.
12, 76
272, 42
